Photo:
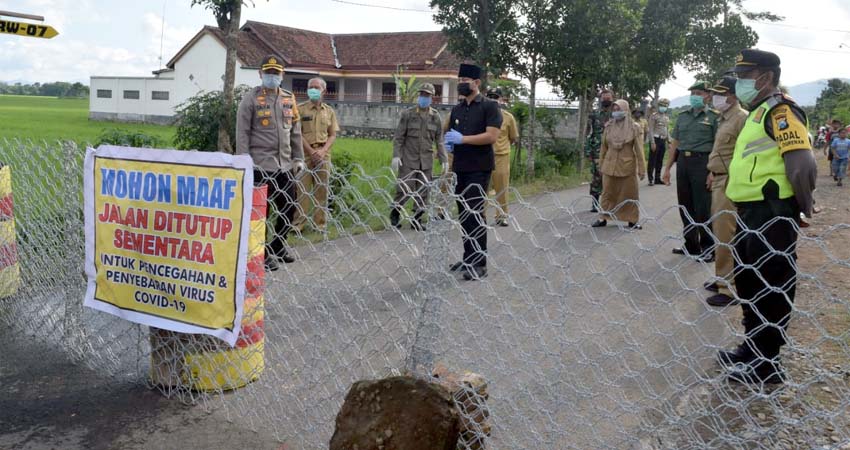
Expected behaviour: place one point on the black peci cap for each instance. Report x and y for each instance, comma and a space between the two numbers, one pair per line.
469, 71
751, 58
726, 85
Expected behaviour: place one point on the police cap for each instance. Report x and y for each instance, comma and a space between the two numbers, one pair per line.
494, 93
751, 58
271, 62
726, 85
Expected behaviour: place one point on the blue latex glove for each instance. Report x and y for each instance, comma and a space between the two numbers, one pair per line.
453, 137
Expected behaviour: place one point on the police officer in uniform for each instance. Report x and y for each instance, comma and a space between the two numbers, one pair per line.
319, 125
268, 128
475, 126
729, 125
418, 132
659, 133
771, 176
502, 149
693, 139
596, 125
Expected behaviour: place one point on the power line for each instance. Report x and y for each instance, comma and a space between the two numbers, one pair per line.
801, 27
840, 52
394, 8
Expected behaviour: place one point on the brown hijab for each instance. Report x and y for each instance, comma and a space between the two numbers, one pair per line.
621, 132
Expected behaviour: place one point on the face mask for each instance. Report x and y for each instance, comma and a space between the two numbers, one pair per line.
606, 103
271, 81
424, 102
464, 89
746, 90
662, 109
314, 94
697, 102
720, 103
618, 115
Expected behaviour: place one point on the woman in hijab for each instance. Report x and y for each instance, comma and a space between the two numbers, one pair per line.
622, 164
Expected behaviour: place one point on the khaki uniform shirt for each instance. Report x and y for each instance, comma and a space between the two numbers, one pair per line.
695, 130
644, 129
315, 121
625, 161
415, 136
268, 128
729, 126
509, 133
659, 126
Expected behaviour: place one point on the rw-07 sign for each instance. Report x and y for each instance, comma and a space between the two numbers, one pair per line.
27, 29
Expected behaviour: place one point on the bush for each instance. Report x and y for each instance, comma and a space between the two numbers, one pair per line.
198, 120
127, 138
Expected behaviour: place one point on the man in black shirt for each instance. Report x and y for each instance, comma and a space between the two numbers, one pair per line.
475, 124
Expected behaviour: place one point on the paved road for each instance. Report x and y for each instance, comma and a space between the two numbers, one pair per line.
585, 336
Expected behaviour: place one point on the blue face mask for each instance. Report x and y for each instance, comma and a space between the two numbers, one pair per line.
697, 102
424, 102
618, 115
314, 94
662, 109
271, 81
746, 90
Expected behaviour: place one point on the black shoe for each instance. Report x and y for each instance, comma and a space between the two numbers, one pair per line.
475, 273
651, 183
270, 263
395, 219
502, 222
635, 226
678, 251
711, 286
594, 209
456, 266
599, 223
721, 300
741, 355
764, 372
287, 258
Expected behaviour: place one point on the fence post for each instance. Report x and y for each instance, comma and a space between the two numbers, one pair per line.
74, 243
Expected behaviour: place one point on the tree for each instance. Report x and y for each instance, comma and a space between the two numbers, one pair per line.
227, 14
832, 103
478, 30
198, 124
408, 89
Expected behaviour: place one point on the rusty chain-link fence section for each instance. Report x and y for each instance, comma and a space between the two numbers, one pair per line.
586, 337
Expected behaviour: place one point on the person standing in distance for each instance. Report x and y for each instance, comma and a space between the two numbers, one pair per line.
502, 173
771, 179
418, 132
693, 139
729, 126
268, 128
595, 126
659, 133
475, 124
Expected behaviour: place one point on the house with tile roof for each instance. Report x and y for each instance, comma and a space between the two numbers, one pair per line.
356, 67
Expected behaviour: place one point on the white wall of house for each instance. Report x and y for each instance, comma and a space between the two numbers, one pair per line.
131, 98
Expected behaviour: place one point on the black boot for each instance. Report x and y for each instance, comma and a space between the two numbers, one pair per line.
395, 218
740, 355
758, 373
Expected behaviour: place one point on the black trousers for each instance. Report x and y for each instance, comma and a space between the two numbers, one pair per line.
471, 191
281, 196
770, 285
695, 198
656, 161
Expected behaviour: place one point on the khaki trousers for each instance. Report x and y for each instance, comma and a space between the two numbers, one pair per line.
313, 190
724, 227
500, 180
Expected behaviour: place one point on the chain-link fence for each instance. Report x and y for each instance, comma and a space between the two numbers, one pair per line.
586, 337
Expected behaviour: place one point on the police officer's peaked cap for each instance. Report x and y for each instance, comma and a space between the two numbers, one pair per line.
752, 58
663, 102
699, 85
494, 92
469, 71
427, 87
272, 62
726, 85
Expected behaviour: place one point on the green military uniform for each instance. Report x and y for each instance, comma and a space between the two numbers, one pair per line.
596, 125
771, 179
695, 130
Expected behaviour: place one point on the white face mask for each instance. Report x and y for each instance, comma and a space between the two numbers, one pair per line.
719, 102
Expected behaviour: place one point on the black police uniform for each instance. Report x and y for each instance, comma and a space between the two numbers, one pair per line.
473, 165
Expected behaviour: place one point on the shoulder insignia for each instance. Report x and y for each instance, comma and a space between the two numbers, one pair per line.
781, 121
285, 92
759, 115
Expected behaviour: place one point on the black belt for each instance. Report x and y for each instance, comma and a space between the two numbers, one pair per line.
689, 154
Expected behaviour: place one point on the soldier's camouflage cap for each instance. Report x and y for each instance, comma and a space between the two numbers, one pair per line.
700, 85
427, 87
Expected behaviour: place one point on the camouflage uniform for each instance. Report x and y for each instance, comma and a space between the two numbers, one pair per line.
596, 125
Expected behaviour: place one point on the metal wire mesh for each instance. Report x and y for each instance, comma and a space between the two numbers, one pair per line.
587, 338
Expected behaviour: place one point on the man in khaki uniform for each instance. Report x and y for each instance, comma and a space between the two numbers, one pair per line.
659, 135
729, 125
268, 128
319, 127
417, 135
502, 149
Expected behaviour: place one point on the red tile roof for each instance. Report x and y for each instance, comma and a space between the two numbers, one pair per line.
417, 51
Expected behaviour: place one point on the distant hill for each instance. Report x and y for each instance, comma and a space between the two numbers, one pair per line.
805, 94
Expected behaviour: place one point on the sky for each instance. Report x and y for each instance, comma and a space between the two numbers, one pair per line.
126, 38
